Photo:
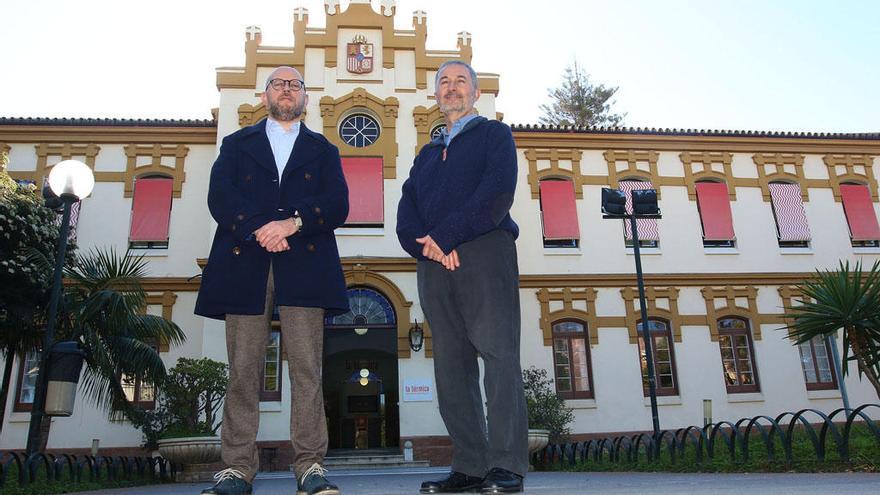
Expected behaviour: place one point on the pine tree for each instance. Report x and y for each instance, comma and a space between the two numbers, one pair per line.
578, 102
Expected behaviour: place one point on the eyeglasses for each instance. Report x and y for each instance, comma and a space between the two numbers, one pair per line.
280, 84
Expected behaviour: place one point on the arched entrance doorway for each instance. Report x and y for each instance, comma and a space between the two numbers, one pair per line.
360, 373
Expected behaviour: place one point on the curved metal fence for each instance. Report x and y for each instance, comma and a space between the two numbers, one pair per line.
72, 468
725, 438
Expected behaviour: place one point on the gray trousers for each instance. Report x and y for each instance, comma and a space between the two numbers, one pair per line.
302, 339
474, 311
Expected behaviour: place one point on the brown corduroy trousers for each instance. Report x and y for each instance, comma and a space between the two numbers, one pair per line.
302, 338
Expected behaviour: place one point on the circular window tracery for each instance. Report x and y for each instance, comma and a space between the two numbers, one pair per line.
359, 130
437, 130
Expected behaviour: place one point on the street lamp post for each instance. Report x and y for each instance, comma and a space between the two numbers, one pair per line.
70, 180
644, 205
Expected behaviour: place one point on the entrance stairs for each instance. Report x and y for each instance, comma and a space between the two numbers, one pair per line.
339, 459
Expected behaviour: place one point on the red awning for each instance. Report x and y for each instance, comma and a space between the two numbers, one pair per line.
366, 199
558, 210
859, 212
714, 205
151, 210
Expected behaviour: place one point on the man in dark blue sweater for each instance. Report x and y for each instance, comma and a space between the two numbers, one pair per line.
454, 219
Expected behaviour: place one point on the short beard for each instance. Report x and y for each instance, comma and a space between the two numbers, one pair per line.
285, 115
456, 106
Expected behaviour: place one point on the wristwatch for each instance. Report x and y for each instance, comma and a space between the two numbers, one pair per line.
297, 219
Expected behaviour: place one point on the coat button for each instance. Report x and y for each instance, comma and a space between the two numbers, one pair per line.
240, 217
311, 247
320, 221
233, 227
236, 250
317, 210
308, 176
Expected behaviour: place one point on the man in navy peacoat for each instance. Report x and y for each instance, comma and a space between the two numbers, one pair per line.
244, 195
277, 193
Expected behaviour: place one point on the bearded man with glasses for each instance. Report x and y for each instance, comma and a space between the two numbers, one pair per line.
277, 193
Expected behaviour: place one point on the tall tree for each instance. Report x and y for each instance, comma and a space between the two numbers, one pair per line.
25, 225
847, 299
578, 102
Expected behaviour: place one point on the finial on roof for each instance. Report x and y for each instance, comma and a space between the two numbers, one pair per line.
388, 7
332, 6
253, 33
419, 17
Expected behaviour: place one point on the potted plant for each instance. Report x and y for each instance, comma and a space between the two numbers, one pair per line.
183, 426
549, 417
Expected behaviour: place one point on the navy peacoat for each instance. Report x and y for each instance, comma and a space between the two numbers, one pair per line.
244, 194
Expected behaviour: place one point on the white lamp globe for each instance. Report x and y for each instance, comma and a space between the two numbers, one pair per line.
72, 177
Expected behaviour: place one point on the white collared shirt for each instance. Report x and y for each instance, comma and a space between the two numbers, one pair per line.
281, 142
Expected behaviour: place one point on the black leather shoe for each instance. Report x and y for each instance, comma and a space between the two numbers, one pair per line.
229, 482
454, 483
501, 481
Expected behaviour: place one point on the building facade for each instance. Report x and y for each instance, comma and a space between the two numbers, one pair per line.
746, 216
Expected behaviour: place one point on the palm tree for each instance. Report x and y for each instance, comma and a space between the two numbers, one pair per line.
847, 299
104, 308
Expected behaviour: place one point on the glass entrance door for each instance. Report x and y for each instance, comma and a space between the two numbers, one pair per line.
360, 374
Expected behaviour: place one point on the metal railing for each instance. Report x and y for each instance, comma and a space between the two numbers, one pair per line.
724, 438
83, 468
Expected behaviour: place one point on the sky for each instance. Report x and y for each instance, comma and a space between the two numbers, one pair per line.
774, 65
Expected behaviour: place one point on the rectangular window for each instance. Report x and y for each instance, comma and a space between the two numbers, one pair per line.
571, 361
150, 213
713, 204
649, 233
816, 362
366, 198
28, 369
792, 228
737, 356
665, 379
860, 215
559, 213
139, 394
270, 378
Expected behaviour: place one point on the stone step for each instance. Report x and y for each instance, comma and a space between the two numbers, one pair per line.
370, 461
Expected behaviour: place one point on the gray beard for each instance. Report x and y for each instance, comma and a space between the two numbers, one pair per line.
282, 115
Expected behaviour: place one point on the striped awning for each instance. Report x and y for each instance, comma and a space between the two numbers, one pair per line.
648, 230
788, 207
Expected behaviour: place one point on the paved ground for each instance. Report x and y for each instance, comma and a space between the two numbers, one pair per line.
400, 482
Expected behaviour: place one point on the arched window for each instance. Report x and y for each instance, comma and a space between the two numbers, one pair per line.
368, 308
359, 130
665, 377
572, 366
737, 355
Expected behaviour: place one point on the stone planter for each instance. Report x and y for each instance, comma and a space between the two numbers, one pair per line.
538, 439
196, 455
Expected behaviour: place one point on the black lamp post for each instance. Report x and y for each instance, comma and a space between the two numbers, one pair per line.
70, 180
416, 336
644, 202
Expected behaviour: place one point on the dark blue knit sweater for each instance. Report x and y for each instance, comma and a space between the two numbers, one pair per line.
464, 196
